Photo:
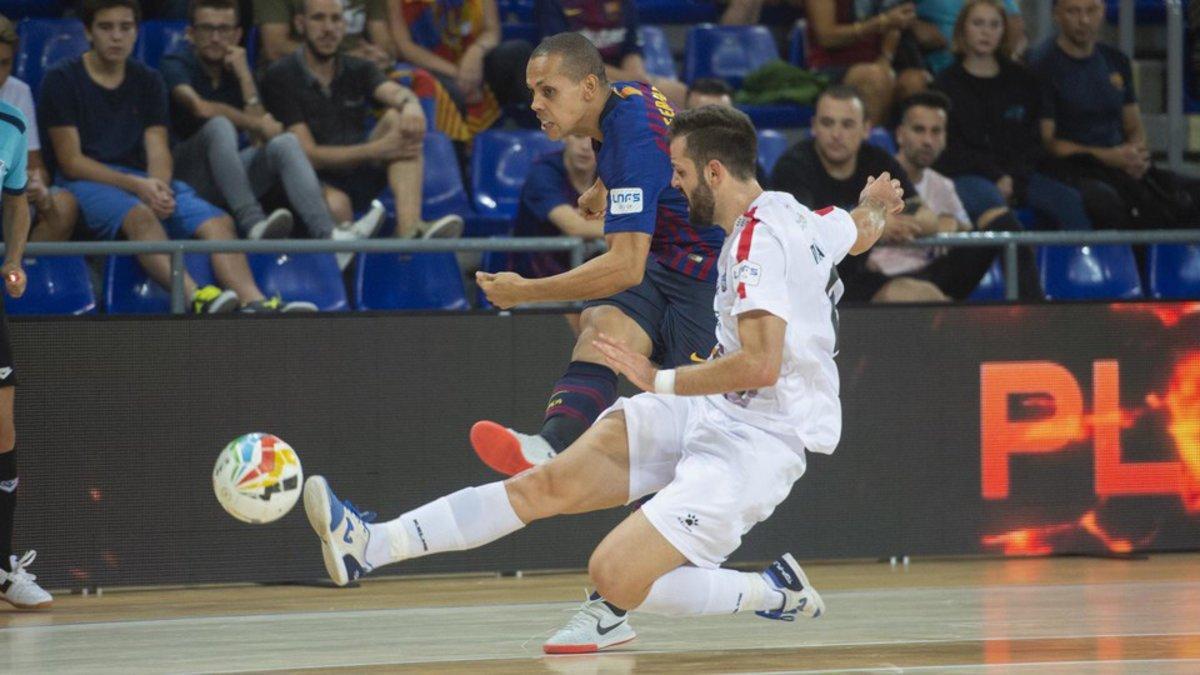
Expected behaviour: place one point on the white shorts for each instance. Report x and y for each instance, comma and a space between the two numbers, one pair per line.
716, 477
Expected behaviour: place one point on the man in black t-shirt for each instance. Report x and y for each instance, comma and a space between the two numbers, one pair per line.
830, 169
106, 116
324, 98
1092, 127
213, 98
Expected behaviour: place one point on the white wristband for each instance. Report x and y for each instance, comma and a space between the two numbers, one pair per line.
664, 382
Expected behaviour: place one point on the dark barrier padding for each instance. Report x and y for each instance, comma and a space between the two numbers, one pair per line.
1091, 441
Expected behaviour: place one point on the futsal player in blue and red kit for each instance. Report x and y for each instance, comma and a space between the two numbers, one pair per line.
652, 289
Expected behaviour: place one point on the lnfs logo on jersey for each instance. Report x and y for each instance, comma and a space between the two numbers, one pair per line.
625, 200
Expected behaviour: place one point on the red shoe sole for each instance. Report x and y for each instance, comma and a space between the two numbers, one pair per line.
581, 649
498, 448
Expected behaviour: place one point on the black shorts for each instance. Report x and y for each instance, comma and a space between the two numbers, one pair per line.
675, 310
8, 375
361, 184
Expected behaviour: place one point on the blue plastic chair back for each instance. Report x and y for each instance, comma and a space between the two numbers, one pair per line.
797, 47
727, 52
991, 286
500, 162
677, 11
314, 277
55, 285
1107, 272
771, 146
43, 43
157, 38
127, 289
1175, 271
443, 190
409, 281
882, 139
16, 10
656, 52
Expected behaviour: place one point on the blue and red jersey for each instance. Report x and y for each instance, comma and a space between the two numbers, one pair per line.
634, 163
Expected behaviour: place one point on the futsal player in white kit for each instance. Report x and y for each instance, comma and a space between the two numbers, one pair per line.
720, 442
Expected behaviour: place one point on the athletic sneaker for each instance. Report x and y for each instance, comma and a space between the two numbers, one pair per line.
799, 597
594, 627
363, 228
276, 305
19, 588
446, 227
213, 300
507, 451
342, 528
278, 225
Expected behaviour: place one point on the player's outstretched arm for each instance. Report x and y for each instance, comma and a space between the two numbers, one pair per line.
754, 366
618, 268
882, 196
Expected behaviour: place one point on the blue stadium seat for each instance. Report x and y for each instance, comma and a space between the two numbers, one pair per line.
314, 277
500, 162
1107, 272
1175, 271
882, 139
408, 281
677, 11
45, 42
728, 52
991, 286
442, 188
1144, 11
656, 52
797, 47
16, 10
778, 116
127, 289
521, 10
157, 38
771, 146
521, 31
55, 285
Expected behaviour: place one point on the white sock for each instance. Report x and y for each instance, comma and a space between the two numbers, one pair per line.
692, 591
463, 520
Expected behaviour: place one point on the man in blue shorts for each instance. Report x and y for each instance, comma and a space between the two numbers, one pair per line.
653, 289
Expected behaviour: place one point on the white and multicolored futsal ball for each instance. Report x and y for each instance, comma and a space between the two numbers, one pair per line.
257, 478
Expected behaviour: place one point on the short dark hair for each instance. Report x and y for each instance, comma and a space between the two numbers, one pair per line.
842, 92
580, 57
710, 86
925, 99
197, 5
93, 7
722, 133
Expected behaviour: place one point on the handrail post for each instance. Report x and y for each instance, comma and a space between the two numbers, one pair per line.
177, 268
1010, 271
577, 253
1175, 121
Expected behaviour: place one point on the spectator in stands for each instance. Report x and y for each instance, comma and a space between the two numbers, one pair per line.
1092, 127
613, 26
54, 209
548, 205
708, 91
214, 98
944, 14
324, 97
107, 121
830, 169
953, 274
863, 52
367, 35
461, 63
994, 143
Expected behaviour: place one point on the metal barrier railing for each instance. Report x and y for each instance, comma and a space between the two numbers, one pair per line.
577, 247
177, 249
1010, 241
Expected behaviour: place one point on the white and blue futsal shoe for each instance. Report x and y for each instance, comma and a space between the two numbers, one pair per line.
799, 597
342, 528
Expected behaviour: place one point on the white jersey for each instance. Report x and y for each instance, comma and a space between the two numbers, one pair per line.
781, 258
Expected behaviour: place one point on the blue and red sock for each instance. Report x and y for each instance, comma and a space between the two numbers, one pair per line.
580, 395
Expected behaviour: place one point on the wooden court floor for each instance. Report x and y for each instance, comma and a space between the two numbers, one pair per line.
1049, 615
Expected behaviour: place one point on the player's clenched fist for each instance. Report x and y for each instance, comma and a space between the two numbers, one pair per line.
502, 289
